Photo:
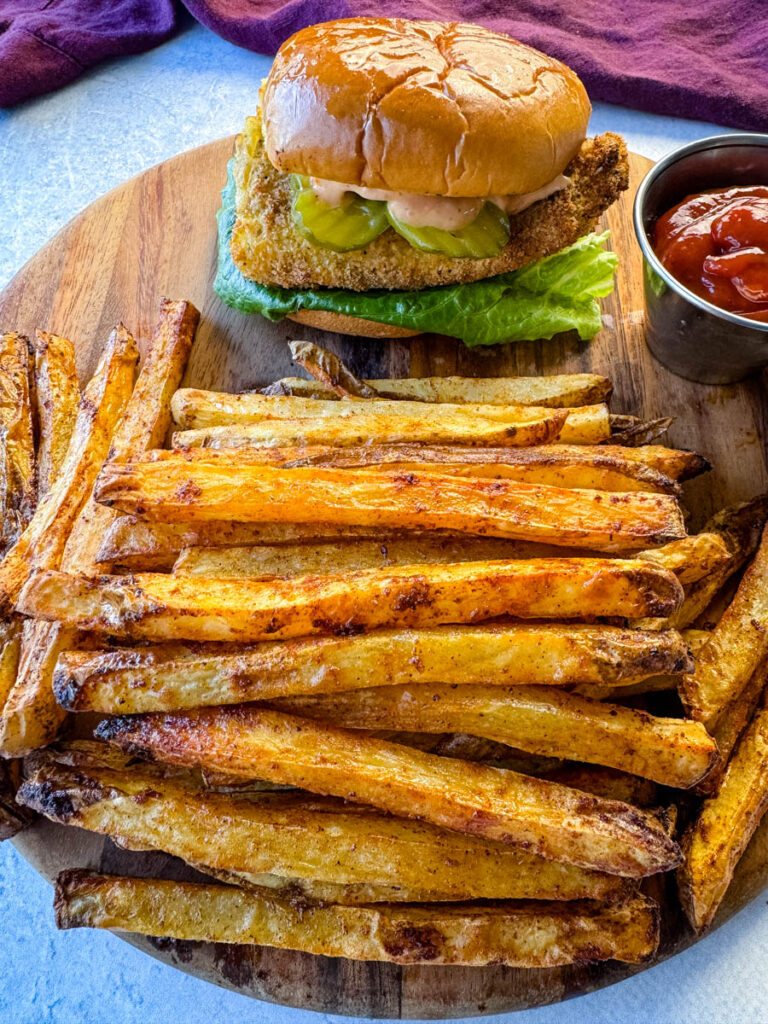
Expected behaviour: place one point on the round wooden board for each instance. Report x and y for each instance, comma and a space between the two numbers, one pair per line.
155, 236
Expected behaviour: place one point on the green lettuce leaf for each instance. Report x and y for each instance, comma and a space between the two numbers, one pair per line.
558, 293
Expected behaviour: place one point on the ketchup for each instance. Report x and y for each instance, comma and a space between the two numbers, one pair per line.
716, 244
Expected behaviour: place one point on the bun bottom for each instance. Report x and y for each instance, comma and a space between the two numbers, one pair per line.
341, 323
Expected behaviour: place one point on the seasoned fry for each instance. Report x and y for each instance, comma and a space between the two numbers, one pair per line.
542, 720
516, 934
559, 391
694, 639
177, 491
692, 557
17, 435
736, 646
41, 545
156, 606
714, 843
560, 465
352, 851
551, 820
58, 395
446, 426
10, 650
167, 677
607, 783
337, 379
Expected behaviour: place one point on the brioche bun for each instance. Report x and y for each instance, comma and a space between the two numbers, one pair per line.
421, 106
341, 323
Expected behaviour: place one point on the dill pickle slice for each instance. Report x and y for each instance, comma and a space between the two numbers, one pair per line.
352, 225
485, 236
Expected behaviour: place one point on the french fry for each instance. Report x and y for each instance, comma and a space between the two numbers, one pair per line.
584, 466
177, 491
693, 638
337, 379
351, 852
17, 435
551, 820
736, 646
444, 427
607, 783
10, 651
559, 391
715, 841
156, 606
690, 558
542, 720
168, 677
58, 396
41, 545
516, 934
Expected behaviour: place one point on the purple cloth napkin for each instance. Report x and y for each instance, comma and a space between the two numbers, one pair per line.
44, 45
703, 59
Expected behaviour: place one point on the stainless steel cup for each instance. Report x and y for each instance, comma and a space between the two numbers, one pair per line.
689, 335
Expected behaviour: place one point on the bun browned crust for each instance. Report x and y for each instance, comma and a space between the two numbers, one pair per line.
340, 323
421, 106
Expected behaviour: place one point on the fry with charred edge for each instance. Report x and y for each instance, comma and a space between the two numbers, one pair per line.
715, 841
732, 723
582, 466
527, 934
337, 379
280, 835
442, 427
17, 435
736, 647
550, 820
168, 677
58, 395
559, 391
690, 558
652, 466
13, 817
41, 545
194, 409
538, 719
175, 491
155, 606
639, 432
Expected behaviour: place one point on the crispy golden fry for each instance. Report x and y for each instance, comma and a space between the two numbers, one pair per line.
693, 638
539, 719
732, 723
715, 842
17, 435
551, 820
690, 558
337, 379
607, 783
290, 836
155, 606
528, 934
560, 465
177, 491
736, 646
560, 391
168, 677
10, 651
41, 545
58, 396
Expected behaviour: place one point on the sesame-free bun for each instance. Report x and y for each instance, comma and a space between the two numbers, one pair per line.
342, 323
421, 106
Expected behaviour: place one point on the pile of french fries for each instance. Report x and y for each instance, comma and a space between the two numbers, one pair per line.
395, 663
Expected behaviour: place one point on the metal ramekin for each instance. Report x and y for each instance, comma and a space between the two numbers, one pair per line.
689, 335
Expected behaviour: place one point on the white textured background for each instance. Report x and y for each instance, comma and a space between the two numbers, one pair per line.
57, 154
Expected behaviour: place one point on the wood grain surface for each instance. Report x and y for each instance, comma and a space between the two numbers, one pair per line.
154, 237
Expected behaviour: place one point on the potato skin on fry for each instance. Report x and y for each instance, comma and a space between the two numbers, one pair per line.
176, 491
350, 850
544, 818
516, 934
58, 394
157, 606
165, 677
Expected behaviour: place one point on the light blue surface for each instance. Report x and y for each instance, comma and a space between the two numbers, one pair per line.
57, 154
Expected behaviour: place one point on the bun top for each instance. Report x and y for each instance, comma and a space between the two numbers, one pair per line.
421, 106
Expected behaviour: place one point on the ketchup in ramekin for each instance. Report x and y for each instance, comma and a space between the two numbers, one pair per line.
716, 244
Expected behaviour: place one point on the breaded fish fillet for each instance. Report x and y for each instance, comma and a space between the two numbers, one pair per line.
267, 248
